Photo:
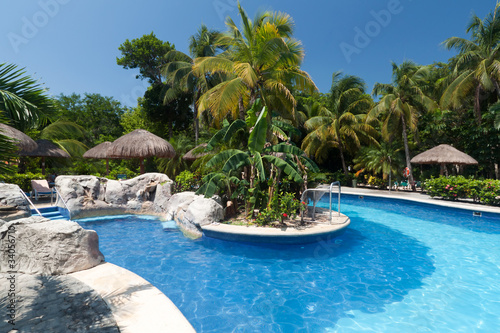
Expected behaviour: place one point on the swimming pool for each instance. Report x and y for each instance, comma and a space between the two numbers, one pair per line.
399, 267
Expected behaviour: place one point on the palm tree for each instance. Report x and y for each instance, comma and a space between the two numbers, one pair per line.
66, 135
24, 101
476, 71
261, 61
174, 166
344, 128
401, 104
180, 74
384, 159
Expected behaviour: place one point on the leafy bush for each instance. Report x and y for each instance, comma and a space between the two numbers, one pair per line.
284, 205
377, 182
23, 180
122, 171
458, 187
185, 181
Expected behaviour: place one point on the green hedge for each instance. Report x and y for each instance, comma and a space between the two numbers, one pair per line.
23, 180
458, 187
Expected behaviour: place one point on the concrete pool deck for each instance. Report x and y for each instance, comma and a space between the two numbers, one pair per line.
419, 197
136, 305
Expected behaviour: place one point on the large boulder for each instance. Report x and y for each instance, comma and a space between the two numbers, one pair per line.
42, 246
192, 211
13, 204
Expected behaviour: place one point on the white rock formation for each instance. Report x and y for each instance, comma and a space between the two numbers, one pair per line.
89, 195
192, 211
42, 246
10, 195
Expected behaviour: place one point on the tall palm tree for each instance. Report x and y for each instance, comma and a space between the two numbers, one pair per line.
179, 71
401, 103
24, 101
476, 71
261, 61
344, 128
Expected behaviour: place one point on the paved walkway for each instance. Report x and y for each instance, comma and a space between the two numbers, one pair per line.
419, 197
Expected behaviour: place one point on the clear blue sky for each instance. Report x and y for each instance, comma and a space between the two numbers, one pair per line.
72, 45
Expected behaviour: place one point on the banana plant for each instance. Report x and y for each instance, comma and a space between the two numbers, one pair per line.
257, 155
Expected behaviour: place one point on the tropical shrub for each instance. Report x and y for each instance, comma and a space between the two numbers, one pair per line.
186, 181
284, 205
458, 187
377, 182
122, 171
23, 180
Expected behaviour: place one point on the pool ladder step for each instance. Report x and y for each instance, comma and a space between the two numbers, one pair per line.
51, 213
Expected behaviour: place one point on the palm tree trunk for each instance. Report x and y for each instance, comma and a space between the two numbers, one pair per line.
343, 163
195, 122
241, 109
248, 204
477, 104
407, 154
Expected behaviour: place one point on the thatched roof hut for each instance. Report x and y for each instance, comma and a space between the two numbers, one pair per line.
100, 152
191, 155
21, 140
140, 144
443, 154
45, 149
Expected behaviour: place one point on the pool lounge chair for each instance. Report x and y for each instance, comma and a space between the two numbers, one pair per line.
41, 188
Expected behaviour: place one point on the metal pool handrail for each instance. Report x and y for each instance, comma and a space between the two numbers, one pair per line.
29, 201
331, 185
64, 202
314, 204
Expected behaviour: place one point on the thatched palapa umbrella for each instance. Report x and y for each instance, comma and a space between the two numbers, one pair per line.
191, 155
100, 152
45, 149
21, 140
140, 144
443, 154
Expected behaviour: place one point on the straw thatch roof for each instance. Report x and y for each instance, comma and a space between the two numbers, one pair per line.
443, 154
191, 155
20, 139
100, 151
140, 144
46, 149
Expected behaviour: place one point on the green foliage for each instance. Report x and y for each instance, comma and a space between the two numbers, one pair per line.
377, 182
99, 115
186, 181
22, 180
165, 118
146, 53
284, 205
458, 187
267, 216
122, 171
23, 100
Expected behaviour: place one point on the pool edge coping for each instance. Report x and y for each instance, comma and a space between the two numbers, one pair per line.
136, 304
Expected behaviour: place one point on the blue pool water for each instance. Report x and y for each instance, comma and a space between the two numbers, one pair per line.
399, 267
